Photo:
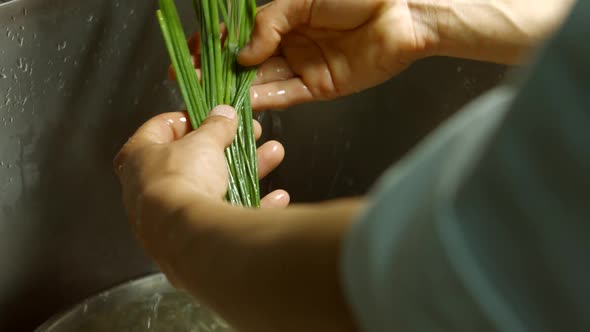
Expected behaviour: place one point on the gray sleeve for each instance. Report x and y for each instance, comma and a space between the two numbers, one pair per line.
486, 226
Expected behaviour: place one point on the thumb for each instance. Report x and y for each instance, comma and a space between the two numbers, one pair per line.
219, 128
272, 22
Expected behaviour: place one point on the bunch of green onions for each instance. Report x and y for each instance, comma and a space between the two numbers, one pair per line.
223, 81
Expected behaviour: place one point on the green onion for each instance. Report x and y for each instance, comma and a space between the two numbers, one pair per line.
223, 81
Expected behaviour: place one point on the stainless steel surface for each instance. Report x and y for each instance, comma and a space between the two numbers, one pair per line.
149, 304
77, 77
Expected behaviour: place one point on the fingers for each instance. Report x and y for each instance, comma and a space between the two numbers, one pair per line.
161, 129
196, 63
270, 155
281, 94
272, 22
218, 130
257, 130
278, 199
273, 69
194, 46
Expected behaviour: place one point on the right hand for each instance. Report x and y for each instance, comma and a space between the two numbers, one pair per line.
323, 49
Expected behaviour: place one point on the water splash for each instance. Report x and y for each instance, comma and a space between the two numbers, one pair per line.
61, 46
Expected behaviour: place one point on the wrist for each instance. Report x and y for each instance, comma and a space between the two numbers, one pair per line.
426, 16
503, 31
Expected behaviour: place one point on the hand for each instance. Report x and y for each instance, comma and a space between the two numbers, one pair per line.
324, 49
278, 268
173, 166
311, 50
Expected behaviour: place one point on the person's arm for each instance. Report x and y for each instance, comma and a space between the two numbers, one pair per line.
266, 270
263, 270
491, 212
504, 31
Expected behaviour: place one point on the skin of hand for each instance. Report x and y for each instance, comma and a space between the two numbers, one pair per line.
312, 50
321, 50
268, 269
164, 154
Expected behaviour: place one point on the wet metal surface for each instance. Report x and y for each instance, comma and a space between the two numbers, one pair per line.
78, 77
146, 305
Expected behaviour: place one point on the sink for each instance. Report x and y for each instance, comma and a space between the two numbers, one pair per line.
147, 304
78, 77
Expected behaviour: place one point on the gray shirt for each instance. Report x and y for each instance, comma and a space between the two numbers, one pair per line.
486, 225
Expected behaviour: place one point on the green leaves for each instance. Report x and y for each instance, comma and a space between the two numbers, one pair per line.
223, 81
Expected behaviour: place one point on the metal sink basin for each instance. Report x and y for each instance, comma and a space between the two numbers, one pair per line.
78, 77
148, 304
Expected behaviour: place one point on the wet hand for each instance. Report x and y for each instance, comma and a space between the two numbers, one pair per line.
172, 165
324, 49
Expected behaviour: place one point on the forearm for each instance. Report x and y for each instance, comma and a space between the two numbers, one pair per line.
503, 31
264, 270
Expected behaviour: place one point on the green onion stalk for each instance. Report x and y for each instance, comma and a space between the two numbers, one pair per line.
223, 81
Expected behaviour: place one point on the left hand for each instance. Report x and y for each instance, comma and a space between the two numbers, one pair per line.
276, 267
172, 165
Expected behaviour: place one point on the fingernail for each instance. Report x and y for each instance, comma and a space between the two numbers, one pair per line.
224, 110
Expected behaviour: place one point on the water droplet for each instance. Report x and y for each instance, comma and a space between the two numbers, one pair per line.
90, 18
21, 41
3, 76
25, 11
61, 46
